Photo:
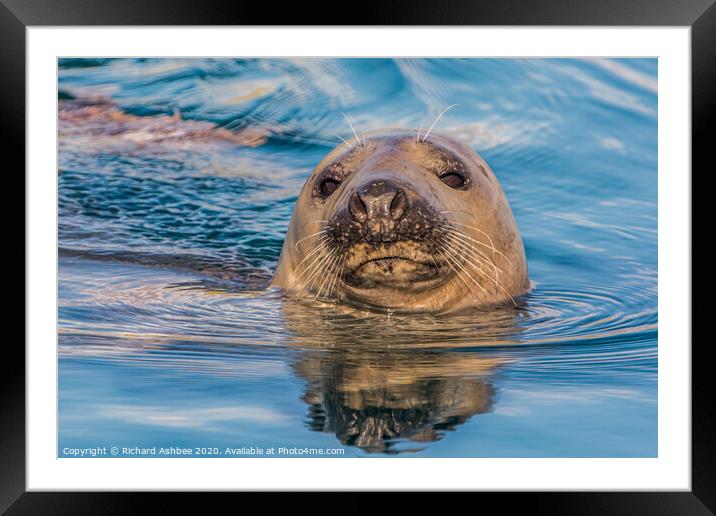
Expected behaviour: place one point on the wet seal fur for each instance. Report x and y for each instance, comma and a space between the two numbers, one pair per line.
400, 223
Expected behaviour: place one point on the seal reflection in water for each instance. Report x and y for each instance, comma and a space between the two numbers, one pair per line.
388, 399
370, 399
396, 222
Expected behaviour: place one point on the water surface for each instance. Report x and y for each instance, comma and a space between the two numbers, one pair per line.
169, 336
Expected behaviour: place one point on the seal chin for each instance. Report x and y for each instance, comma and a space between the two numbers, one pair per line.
404, 266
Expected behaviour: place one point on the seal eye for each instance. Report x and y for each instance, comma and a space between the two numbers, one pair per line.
328, 186
453, 180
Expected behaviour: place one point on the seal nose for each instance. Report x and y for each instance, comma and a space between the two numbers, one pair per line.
378, 200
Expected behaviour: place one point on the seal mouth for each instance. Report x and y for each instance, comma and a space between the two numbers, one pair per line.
402, 265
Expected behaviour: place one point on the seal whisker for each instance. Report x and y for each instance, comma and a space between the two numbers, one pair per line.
344, 141
436, 120
437, 266
477, 221
317, 259
444, 260
500, 286
324, 242
474, 253
491, 246
337, 274
469, 243
475, 262
469, 288
448, 252
317, 262
464, 235
326, 267
497, 283
457, 262
309, 236
352, 129
295, 281
472, 227
417, 140
317, 270
329, 267
311, 222
460, 237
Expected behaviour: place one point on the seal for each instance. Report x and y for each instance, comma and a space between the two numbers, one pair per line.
372, 399
400, 223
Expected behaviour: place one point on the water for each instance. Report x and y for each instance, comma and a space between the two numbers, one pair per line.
169, 336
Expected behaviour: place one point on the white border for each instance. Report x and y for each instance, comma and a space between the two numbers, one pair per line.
670, 471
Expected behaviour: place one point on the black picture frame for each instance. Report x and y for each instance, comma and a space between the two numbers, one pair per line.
17, 15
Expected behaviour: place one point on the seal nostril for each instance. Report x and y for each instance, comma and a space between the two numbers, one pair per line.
399, 206
357, 208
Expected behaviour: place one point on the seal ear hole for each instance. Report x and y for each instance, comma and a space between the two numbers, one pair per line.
328, 186
454, 180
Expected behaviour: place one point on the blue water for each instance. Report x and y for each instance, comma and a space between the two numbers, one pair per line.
169, 337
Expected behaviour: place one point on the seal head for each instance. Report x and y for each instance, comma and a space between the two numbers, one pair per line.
395, 222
